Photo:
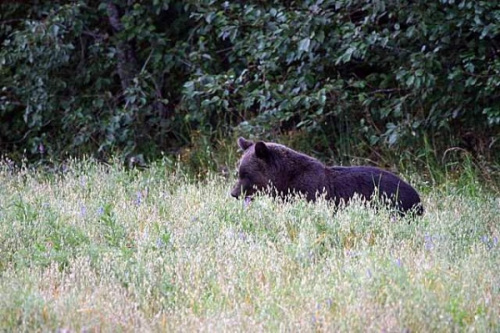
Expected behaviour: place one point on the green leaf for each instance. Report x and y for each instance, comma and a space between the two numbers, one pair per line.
409, 80
304, 44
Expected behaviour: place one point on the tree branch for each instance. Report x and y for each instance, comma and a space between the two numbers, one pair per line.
127, 62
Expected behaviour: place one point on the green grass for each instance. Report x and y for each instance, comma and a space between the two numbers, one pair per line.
100, 248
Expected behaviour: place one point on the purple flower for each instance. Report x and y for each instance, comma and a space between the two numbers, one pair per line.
490, 242
83, 210
100, 211
247, 202
428, 242
329, 302
160, 243
138, 198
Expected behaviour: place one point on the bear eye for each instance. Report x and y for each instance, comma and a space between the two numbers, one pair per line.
243, 175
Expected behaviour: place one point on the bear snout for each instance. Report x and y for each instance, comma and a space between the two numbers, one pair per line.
240, 190
236, 192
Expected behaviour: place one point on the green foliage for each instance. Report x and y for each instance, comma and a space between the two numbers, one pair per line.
385, 73
100, 77
60, 85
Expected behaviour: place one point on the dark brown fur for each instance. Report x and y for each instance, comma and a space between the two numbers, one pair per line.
286, 171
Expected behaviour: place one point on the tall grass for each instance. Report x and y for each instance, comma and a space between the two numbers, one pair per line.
100, 248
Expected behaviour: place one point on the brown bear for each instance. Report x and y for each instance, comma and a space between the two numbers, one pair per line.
266, 165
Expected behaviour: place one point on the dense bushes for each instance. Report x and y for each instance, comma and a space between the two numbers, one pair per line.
97, 77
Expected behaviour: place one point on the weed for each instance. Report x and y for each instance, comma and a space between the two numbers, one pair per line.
104, 248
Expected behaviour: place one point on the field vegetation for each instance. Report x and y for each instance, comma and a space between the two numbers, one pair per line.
97, 247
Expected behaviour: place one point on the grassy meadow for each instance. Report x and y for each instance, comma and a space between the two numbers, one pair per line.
99, 248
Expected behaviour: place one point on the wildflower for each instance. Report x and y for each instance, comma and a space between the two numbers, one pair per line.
329, 302
138, 198
246, 202
100, 211
369, 273
428, 242
398, 262
83, 210
489, 242
41, 148
160, 243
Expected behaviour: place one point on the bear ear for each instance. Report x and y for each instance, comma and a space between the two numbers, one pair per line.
244, 143
262, 151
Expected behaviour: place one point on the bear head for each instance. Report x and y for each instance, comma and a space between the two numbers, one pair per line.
255, 168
